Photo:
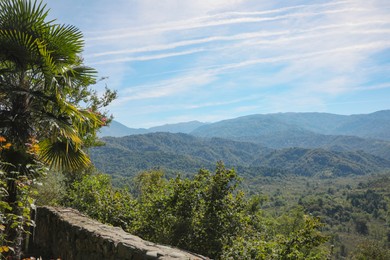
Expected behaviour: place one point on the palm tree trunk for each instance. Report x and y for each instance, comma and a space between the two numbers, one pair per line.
14, 226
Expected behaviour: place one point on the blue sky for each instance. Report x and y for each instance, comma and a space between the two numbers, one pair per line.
182, 60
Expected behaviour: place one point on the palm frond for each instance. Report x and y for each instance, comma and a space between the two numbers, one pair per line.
17, 47
27, 16
78, 75
58, 127
66, 41
81, 118
63, 155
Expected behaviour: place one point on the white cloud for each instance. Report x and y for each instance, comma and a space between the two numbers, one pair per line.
200, 23
220, 103
149, 57
163, 88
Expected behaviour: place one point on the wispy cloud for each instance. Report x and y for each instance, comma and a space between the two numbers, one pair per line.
253, 35
163, 88
372, 87
149, 57
228, 18
220, 103
190, 83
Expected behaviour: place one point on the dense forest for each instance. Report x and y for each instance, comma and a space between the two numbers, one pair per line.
230, 215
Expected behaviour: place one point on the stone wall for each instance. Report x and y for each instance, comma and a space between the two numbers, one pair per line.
67, 234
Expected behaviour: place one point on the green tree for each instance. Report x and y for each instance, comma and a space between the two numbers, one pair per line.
200, 215
371, 250
209, 215
43, 84
293, 235
95, 196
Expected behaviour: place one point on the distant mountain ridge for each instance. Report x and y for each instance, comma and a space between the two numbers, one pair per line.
375, 125
186, 127
261, 126
116, 129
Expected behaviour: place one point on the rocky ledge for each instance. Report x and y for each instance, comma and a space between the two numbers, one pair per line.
67, 234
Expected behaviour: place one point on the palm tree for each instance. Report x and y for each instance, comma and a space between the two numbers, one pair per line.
42, 83
40, 72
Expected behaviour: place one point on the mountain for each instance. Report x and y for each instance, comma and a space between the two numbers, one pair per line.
375, 125
116, 129
305, 139
185, 128
187, 154
279, 130
298, 125
370, 133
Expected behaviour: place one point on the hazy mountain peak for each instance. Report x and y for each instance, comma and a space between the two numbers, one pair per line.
185, 127
116, 129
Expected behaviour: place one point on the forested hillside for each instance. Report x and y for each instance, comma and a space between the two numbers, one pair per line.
172, 152
182, 153
311, 162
